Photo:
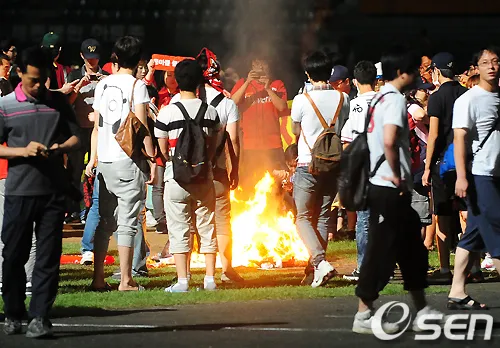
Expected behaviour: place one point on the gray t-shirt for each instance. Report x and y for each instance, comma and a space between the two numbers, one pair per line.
391, 110
477, 110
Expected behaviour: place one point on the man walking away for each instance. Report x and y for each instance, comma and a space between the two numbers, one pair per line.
34, 192
394, 232
314, 193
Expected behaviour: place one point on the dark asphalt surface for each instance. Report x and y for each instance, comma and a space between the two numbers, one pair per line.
289, 323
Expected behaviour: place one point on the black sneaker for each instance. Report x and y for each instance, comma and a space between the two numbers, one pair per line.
39, 328
354, 276
74, 218
12, 327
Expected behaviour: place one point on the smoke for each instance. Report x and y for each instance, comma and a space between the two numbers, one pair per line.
257, 27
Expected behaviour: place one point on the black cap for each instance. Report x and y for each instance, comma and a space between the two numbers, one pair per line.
443, 60
91, 49
339, 73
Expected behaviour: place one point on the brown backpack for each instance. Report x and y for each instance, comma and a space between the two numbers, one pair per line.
327, 149
131, 134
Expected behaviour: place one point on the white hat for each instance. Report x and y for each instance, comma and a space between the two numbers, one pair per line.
379, 69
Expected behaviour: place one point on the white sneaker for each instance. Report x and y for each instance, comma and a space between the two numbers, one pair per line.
322, 273
29, 289
440, 317
177, 288
150, 219
363, 324
210, 286
487, 263
87, 258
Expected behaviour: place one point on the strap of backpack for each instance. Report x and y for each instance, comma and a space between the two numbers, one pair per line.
201, 113
490, 132
316, 110
371, 109
184, 111
220, 148
217, 100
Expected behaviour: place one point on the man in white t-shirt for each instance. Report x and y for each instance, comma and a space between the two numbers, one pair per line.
182, 200
365, 75
314, 194
476, 119
122, 181
394, 232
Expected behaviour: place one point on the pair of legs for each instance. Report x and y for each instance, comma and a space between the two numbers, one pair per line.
446, 208
393, 237
141, 248
180, 203
122, 195
76, 166
28, 267
20, 213
313, 196
482, 232
158, 202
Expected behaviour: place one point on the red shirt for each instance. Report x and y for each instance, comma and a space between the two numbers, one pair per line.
4, 167
260, 122
165, 96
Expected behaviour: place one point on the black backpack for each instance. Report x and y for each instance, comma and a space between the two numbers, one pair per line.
190, 161
355, 168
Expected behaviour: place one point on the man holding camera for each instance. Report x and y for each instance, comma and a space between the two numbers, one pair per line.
82, 100
261, 101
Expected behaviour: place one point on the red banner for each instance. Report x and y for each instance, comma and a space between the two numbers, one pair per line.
167, 63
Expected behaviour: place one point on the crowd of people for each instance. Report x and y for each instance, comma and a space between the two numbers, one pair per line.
99, 137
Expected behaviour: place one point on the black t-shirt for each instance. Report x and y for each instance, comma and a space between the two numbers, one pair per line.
441, 106
5, 87
48, 120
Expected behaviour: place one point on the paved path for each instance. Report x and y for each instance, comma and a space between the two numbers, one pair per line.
297, 323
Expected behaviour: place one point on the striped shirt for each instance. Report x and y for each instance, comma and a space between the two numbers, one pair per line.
48, 120
170, 123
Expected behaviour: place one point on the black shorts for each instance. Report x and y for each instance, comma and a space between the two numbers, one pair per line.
443, 193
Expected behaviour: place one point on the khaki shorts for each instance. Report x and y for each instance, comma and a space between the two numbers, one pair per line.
180, 203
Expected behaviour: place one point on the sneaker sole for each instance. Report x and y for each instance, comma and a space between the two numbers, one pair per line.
326, 278
363, 331
351, 278
15, 332
43, 335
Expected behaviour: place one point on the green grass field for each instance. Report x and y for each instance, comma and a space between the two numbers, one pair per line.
278, 284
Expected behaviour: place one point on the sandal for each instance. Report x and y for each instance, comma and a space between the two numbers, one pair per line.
106, 288
139, 288
467, 303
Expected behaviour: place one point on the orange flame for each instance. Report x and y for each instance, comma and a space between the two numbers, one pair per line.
262, 233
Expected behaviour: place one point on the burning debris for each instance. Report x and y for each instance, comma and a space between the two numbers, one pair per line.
264, 235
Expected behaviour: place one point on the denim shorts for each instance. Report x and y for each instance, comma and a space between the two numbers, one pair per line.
483, 218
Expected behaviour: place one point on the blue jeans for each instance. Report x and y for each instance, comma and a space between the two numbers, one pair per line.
313, 196
92, 220
362, 225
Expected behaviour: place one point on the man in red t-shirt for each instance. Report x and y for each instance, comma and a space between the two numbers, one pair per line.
261, 101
